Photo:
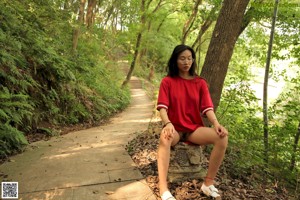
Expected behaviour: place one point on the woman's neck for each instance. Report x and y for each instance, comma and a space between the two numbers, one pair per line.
186, 76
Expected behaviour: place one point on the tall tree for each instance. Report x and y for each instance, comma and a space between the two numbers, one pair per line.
80, 21
295, 149
189, 23
203, 28
266, 80
221, 46
138, 42
90, 13
144, 9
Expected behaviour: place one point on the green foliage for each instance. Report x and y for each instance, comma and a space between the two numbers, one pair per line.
239, 108
48, 132
284, 117
238, 111
42, 81
13, 109
11, 140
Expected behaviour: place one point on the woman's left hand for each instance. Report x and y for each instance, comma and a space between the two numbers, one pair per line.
221, 131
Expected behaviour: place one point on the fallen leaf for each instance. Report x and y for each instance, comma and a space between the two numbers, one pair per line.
109, 192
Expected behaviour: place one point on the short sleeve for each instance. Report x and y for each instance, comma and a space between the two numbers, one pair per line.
206, 103
163, 95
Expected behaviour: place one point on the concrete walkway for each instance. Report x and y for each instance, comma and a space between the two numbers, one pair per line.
88, 164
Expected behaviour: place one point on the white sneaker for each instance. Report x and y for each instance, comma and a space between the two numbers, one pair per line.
211, 191
167, 196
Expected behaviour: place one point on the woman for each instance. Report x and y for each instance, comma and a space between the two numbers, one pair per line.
183, 98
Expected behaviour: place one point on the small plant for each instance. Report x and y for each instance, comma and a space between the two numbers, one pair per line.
11, 140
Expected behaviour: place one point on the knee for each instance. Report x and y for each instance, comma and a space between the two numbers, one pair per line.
163, 142
222, 142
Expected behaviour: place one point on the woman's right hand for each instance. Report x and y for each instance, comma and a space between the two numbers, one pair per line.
168, 131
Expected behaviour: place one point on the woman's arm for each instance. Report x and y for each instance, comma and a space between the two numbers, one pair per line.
164, 116
212, 117
168, 128
221, 131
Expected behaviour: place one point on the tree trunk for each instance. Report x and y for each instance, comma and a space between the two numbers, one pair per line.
66, 5
90, 12
221, 46
79, 24
199, 55
202, 30
136, 53
144, 7
295, 149
137, 46
188, 24
145, 50
265, 91
151, 73
160, 24
109, 12
251, 12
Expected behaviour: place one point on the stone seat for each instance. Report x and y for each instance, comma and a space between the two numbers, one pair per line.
186, 162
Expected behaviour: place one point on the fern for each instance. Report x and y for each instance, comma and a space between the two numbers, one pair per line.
42, 80
11, 140
13, 107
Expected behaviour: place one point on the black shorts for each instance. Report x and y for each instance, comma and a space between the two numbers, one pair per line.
183, 137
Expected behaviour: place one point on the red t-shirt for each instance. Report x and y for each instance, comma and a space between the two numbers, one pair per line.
185, 101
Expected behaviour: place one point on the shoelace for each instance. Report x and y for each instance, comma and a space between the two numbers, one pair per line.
214, 191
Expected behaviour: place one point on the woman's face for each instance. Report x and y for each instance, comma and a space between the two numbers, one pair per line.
185, 61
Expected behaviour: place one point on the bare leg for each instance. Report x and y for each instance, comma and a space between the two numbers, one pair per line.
204, 136
163, 159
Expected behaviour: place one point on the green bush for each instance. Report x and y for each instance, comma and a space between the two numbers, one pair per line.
42, 81
11, 140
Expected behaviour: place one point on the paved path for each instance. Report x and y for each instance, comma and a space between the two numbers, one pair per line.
88, 164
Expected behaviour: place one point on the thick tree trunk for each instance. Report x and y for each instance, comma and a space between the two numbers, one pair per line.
221, 46
79, 24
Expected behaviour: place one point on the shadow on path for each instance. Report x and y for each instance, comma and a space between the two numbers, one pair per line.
87, 164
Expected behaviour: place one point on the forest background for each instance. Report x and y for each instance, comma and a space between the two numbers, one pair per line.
62, 63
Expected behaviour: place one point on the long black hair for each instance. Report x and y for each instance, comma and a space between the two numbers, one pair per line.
172, 64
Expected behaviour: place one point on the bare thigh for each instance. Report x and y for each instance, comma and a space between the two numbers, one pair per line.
203, 136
